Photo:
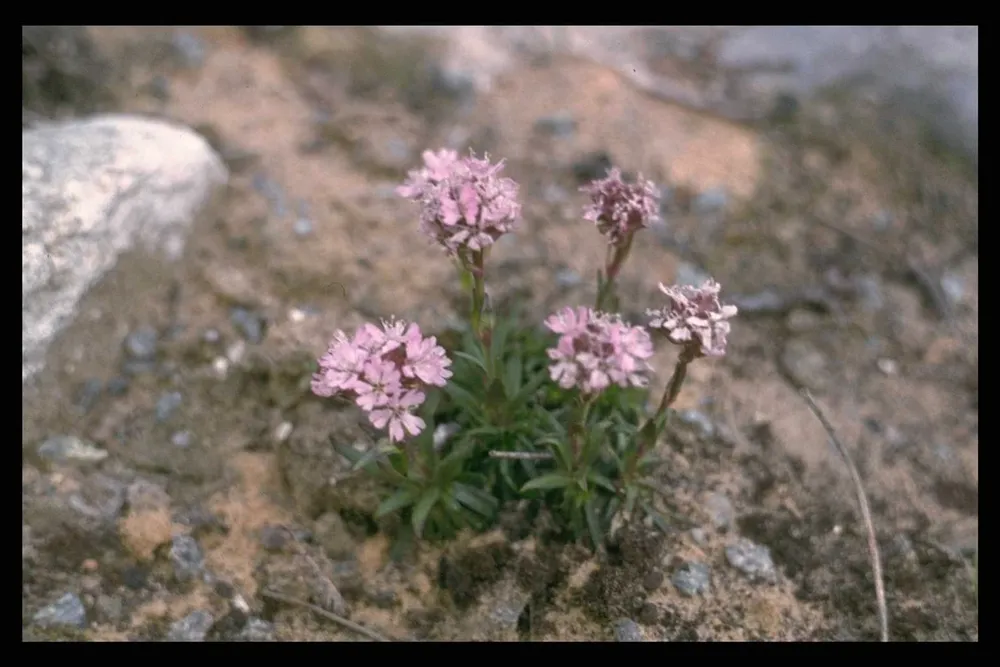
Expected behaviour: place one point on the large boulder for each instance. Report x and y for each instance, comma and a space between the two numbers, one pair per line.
91, 190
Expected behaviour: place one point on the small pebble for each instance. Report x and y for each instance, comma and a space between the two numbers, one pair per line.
283, 431
64, 448
720, 510
710, 201
652, 581
888, 367
192, 628
699, 419
186, 557
257, 630
303, 227
560, 124
753, 560
189, 48
117, 386
649, 614
68, 612
211, 336
181, 439
235, 352
220, 366
89, 565
568, 278
142, 343
692, 579
274, 538
627, 630
88, 395
167, 405
248, 323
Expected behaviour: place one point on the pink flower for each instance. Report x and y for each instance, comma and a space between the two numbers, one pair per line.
620, 209
377, 385
596, 350
384, 370
465, 204
426, 360
694, 318
397, 415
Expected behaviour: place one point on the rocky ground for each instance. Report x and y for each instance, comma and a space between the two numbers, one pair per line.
178, 480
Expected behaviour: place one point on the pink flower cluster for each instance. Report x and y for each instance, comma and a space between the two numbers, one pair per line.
694, 318
620, 209
384, 371
596, 350
465, 203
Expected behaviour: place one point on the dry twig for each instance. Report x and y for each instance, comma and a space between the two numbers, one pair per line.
866, 514
339, 620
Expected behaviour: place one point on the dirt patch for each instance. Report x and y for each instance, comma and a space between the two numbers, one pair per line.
854, 260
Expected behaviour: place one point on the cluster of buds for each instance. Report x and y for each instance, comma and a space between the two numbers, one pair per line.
465, 203
694, 318
620, 209
384, 370
596, 350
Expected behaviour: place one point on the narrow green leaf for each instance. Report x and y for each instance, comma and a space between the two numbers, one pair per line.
471, 359
602, 481
532, 385
423, 508
397, 501
551, 481
462, 397
593, 523
495, 395
512, 377
475, 500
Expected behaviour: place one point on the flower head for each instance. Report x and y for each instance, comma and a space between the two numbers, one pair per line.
620, 209
384, 370
596, 350
465, 203
694, 317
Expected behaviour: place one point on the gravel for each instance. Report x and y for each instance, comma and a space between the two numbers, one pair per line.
185, 554
192, 628
692, 579
627, 630
66, 612
753, 560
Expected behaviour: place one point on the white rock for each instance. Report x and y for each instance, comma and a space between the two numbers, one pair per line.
90, 190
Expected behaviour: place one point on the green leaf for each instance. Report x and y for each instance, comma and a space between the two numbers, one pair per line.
471, 359
423, 508
495, 395
551, 481
476, 500
397, 501
602, 481
451, 465
498, 342
512, 377
533, 385
462, 397
593, 523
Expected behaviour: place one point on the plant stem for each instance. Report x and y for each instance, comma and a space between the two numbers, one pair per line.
612, 265
480, 327
581, 425
670, 393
